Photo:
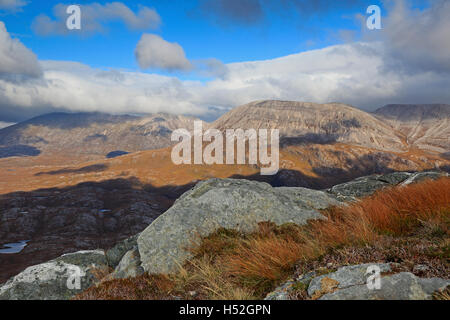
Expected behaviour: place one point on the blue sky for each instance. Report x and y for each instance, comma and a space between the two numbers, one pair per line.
204, 57
202, 35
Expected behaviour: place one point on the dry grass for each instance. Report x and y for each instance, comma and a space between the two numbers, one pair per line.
444, 295
421, 208
144, 287
406, 224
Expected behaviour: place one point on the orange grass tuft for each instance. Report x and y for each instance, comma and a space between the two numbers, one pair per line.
396, 211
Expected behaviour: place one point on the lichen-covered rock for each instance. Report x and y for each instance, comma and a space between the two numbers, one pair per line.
129, 266
420, 176
366, 186
400, 286
345, 277
116, 253
223, 203
58, 279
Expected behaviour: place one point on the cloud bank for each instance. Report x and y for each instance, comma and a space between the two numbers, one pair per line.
351, 73
95, 18
419, 40
15, 59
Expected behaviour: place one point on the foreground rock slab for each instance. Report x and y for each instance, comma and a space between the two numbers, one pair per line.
400, 286
223, 203
344, 277
55, 279
350, 283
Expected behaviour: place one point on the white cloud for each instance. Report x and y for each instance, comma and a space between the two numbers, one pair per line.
154, 52
12, 5
95, 18
350, 73
418, 40
15, 58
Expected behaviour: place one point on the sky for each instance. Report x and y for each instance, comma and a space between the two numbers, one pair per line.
204, 57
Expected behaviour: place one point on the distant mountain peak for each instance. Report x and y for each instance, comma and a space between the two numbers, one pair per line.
313, 122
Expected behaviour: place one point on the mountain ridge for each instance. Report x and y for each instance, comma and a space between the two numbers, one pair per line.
331, 122
425, 126
94, 134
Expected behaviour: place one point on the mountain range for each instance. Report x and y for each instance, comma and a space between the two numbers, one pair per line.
321, 145
394, 128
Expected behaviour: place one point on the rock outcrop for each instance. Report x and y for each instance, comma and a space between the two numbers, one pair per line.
116, 253
129, 266
58, 279
227, 203
366, 186
350, 283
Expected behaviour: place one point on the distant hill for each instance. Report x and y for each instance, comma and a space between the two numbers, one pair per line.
92, 133
426, 126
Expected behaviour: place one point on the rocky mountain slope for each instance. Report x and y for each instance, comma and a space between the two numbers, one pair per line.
235, 205
425, 126
58, 221
89, 134
301, 122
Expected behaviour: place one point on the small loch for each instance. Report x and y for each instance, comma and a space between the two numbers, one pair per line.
11, 248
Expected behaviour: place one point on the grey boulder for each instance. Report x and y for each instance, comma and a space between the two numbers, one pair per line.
129, 266
346, 277
400, 286
116, 253
350, 283
58, 279
223, 203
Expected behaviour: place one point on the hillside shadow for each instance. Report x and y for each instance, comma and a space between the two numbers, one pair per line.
19, 151
309, 138
87, 169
